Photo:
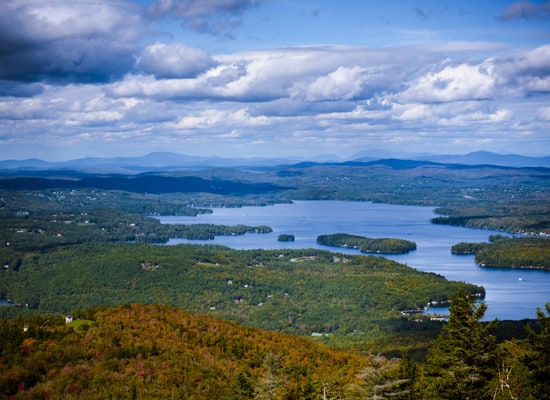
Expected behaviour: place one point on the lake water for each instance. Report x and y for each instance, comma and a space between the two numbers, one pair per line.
5, 303
510, 294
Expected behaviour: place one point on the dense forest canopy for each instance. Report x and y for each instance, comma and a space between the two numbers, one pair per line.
297, 291
157, 351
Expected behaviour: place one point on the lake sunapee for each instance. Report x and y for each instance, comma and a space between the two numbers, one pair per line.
510, 293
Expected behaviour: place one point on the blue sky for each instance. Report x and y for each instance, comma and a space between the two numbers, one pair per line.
264, 78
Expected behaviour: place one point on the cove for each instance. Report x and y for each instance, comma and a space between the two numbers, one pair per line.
510, 293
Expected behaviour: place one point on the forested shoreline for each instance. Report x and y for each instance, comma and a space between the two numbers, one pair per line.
513, 252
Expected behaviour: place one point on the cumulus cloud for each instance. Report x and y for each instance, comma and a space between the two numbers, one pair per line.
307, 74
66, 39
206, 119
528, 72
344, 83
452, 83
320, 80
527, 10
174, 60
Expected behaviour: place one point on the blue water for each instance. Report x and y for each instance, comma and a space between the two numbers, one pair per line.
4, 303
510, 294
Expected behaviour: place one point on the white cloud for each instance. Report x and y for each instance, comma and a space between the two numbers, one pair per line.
328, 96
342, 84
452, 83
174, 60
216, 118
412, 112
528, 71
535, 84
305, 73
476, 118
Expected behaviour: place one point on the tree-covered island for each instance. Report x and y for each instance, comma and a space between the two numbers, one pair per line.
509, 252
468, 248
285, 237
523, 252
367, 245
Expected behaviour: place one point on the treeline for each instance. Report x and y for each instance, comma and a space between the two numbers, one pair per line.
367, 245
143, 183
156, 351
515, 217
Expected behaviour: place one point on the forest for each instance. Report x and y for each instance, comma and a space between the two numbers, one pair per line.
157, 351
294, 291
367, 245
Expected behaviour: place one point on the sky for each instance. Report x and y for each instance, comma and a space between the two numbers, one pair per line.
273, 78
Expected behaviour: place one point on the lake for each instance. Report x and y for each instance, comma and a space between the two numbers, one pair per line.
510, 294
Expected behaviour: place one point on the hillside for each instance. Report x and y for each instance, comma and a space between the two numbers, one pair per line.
159, 352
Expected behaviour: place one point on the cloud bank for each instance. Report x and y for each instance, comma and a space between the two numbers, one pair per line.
79, 75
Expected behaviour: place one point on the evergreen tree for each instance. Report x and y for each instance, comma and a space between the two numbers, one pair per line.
512, 380
537, 359
461, 362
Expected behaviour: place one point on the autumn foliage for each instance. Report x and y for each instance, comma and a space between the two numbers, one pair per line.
154, 351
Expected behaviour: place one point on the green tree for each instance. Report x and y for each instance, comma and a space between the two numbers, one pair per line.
537, 358
512, 380
461, 362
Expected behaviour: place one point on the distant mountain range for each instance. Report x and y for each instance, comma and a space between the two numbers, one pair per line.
475, 158
162, 161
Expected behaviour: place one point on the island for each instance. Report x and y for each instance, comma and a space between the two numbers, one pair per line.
468, 248
518, 252
367, 245
284, 237
509, 252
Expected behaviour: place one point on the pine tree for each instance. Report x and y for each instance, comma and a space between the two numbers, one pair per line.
538, 355
461, 361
